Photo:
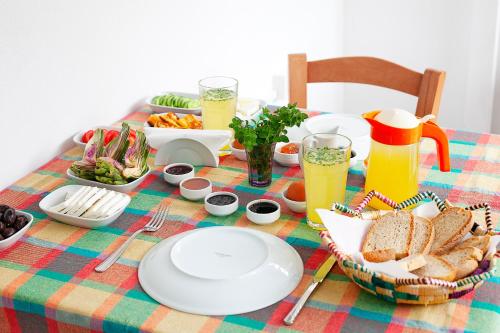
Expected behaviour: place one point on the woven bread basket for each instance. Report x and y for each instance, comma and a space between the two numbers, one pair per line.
418, 290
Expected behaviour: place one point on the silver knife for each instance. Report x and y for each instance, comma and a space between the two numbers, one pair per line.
318, 278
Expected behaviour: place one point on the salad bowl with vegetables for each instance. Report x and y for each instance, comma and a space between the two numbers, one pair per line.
83, 137
119, 165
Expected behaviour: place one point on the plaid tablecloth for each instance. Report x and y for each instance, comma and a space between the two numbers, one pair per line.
48, 283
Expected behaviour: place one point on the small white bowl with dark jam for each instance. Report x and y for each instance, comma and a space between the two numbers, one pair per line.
221, 203
177, 172
263, 211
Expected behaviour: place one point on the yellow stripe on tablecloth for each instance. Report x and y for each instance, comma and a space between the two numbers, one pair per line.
438, 315
93, 300
56, 232
176, 321
137, 249
484, 182
40, 182
324, 292
7, 276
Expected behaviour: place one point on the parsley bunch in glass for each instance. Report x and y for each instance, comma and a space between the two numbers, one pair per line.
269, 128
260, 136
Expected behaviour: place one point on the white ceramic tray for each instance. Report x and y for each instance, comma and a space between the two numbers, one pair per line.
119, 188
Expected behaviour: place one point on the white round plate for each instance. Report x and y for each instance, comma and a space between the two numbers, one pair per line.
220, 271
186, 151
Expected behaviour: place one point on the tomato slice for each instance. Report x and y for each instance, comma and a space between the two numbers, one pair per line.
87, 136
110, 136
131, 137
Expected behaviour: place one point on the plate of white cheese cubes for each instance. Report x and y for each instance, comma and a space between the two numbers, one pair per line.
84, 206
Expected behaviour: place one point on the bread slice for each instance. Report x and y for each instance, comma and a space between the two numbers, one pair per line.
394, 230
380, 255
437, 268
450, 227
423, 235
464, 260
412, 262
481, 242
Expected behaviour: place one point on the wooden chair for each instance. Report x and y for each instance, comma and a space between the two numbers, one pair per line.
427, 87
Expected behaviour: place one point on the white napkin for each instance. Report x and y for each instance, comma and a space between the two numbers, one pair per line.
213, 139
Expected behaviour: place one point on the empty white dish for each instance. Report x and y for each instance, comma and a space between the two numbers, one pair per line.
184, 150
220, 271
286, 159
8, 242
119, 188
60, 194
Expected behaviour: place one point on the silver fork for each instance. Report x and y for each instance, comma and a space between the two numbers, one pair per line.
153, 225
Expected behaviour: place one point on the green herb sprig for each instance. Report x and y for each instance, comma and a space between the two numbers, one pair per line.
269, 128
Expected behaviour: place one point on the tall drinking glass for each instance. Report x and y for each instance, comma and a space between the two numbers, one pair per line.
218, 98
325, 160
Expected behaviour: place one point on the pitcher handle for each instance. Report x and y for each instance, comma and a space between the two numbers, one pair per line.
431, 130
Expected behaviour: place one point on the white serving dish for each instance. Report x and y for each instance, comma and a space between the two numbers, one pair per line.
195, 194
221, 210
240, 154
176, 179
119, 188
6, 243
263, 218
59, 195
220, 271
189, 151
163, 109
295, 206
353, 126
286, 159
77, 138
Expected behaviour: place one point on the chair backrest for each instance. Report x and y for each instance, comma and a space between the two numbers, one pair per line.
366, 70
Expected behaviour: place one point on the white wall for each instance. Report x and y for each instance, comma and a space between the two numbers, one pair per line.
457, 36
68, 65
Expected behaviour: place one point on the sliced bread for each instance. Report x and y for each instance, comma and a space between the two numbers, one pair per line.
380, 255
464, 260
481, 242
412, 262
394, 230
450, 226
423, 235
437, 268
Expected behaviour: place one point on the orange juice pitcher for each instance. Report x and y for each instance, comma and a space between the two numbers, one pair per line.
393, 161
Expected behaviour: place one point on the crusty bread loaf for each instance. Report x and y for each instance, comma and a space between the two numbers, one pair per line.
423, 235
465, 260
481, 242
380, 255
450, 226
437, 268
394, 230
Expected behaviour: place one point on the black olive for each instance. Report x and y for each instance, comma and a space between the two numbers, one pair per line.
1, 216
3, 208
2, 227
1, 238
20, 223
9, 216
8, 232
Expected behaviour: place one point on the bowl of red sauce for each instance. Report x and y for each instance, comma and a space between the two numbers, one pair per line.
287, 153
177, 172
195, 188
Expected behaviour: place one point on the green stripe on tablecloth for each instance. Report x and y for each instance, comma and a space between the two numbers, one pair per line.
244, 321
486, 306
34, 293
13, 265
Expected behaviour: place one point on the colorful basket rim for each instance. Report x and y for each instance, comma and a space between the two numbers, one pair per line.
476, 230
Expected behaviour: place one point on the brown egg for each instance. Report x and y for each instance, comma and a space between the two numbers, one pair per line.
296, 191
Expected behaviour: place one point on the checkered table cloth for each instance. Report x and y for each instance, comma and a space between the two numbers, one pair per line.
48, 283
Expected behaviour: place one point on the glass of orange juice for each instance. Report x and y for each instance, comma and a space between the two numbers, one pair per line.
325, 161
218, 99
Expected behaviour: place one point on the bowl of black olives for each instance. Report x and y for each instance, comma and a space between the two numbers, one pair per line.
13, 225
